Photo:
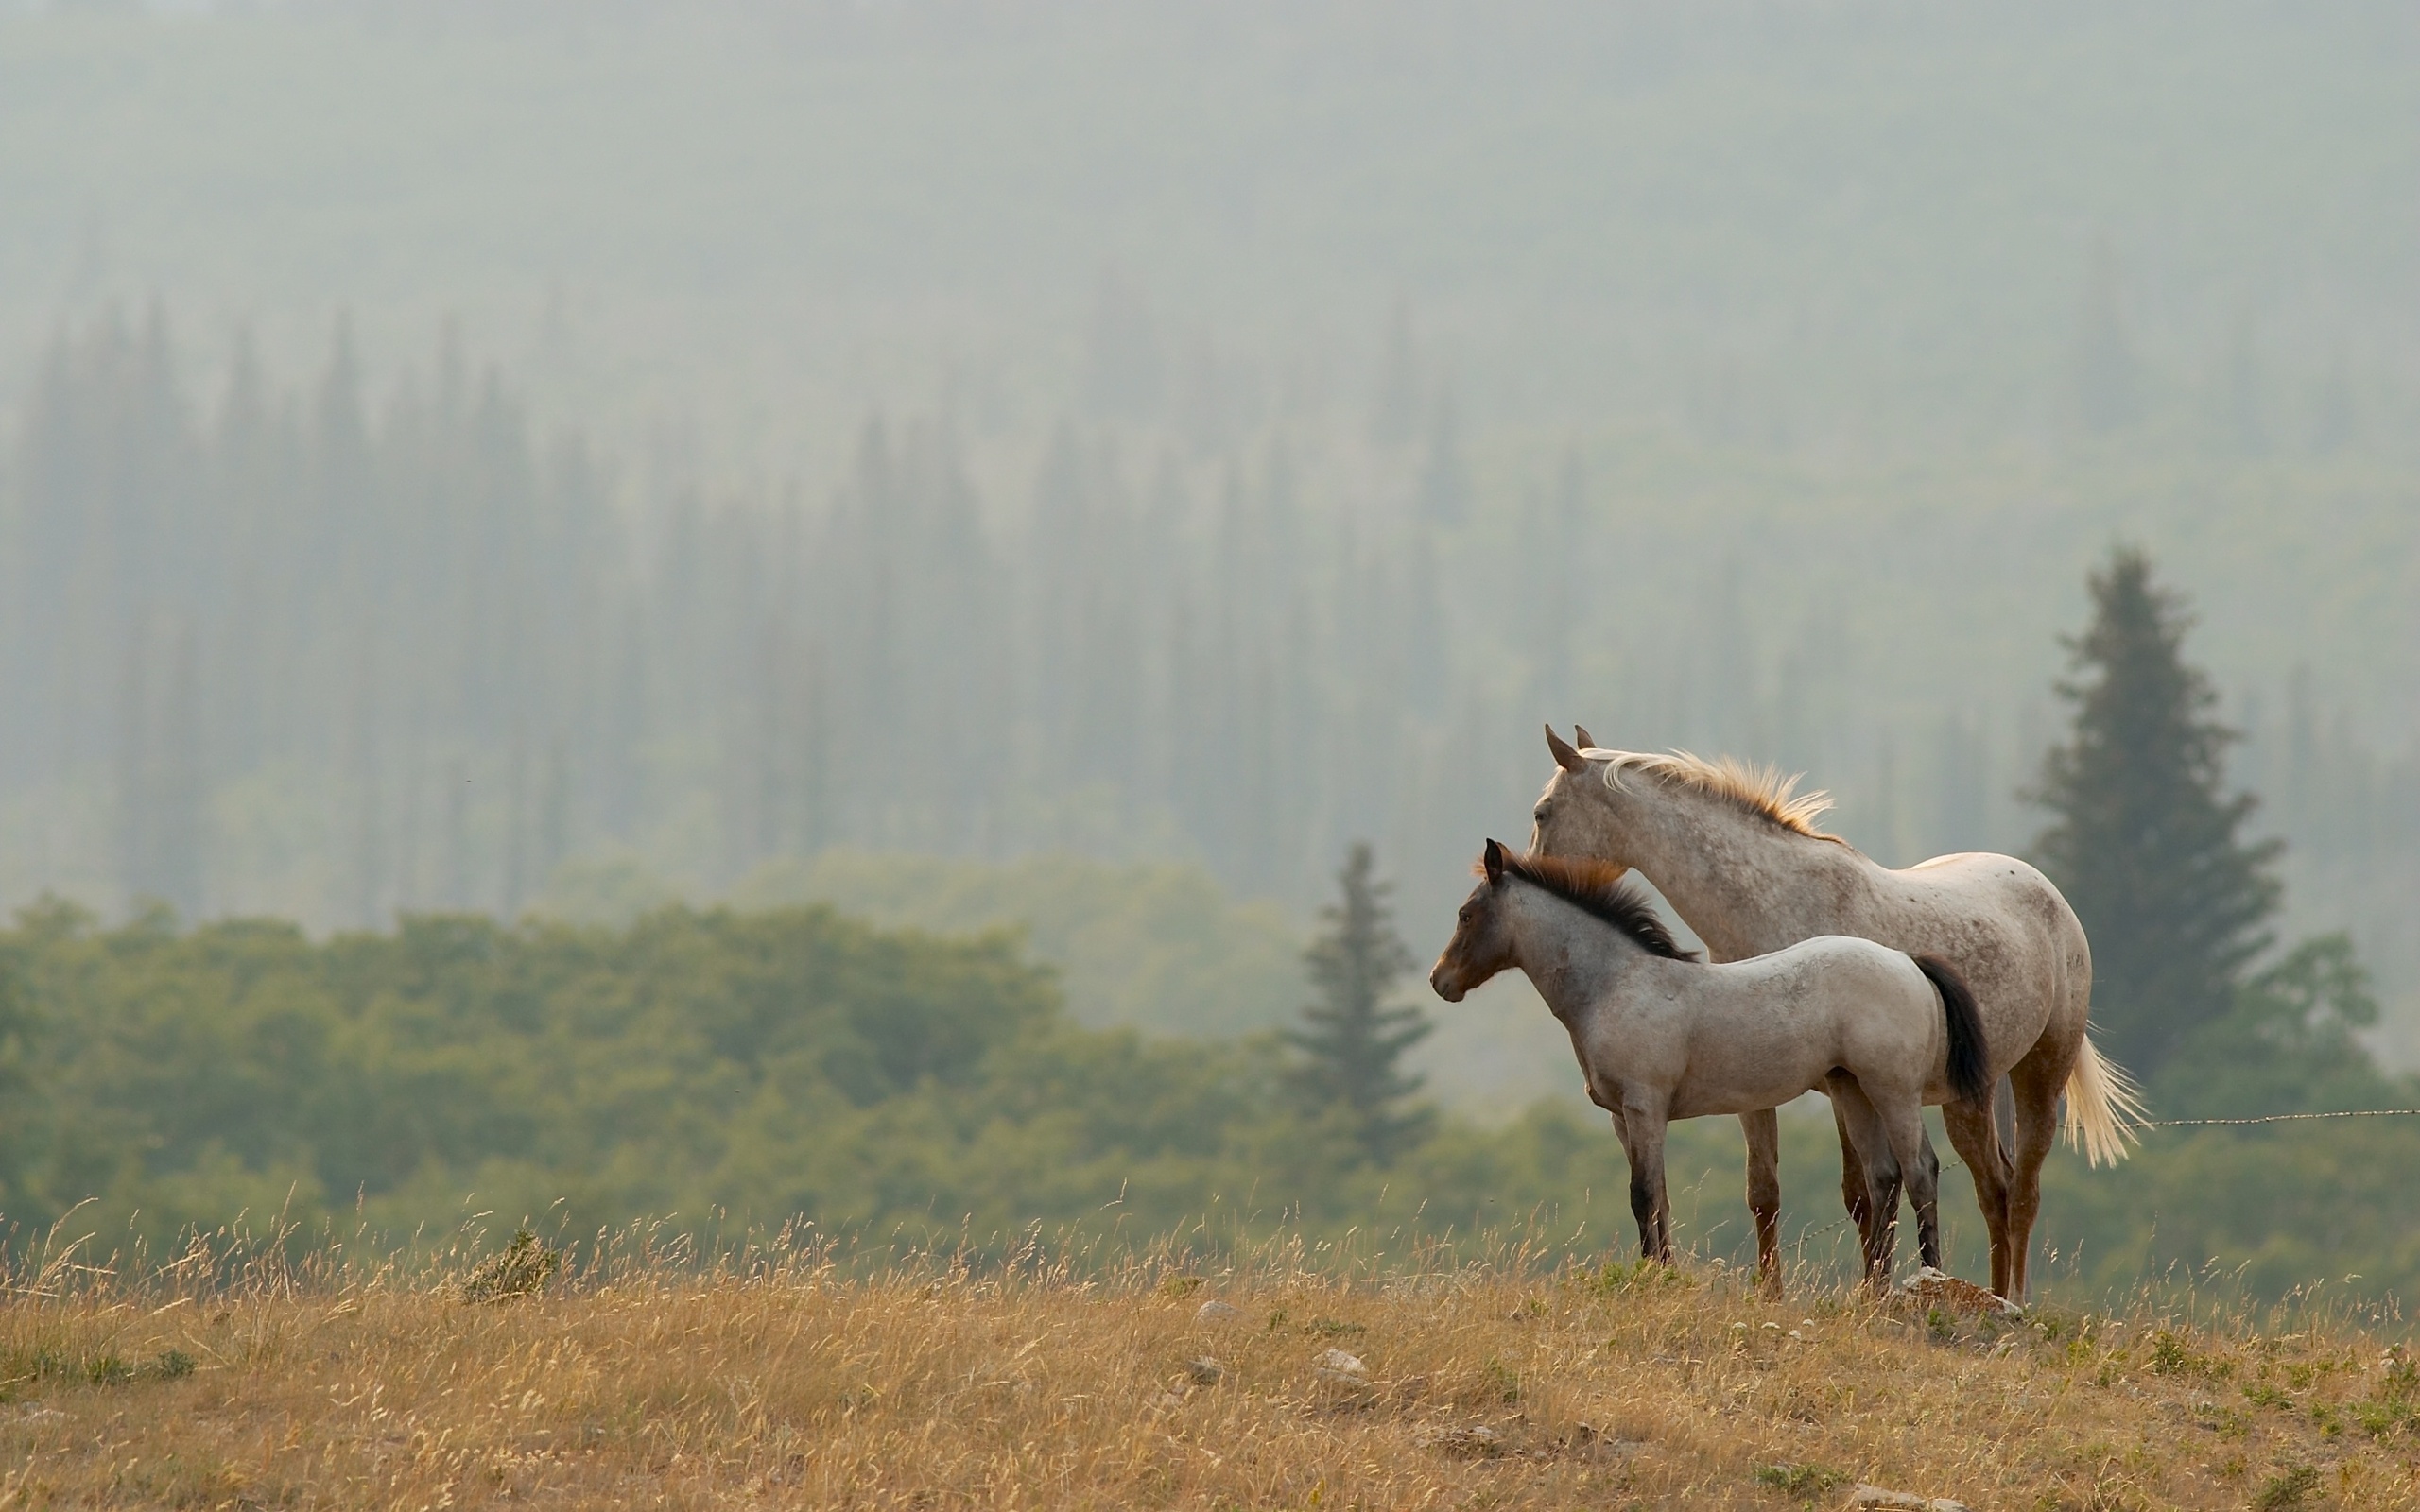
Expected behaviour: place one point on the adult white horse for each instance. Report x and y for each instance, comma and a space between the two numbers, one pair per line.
1660, 1036
1736, 853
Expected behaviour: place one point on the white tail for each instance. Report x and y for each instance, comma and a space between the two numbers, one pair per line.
2104, 1107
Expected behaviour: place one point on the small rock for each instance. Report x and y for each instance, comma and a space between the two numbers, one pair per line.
1479, 1441
1207, 1370
1876, 1496
1940, 1289
1582, 1441
1216, 1312
1336, 1365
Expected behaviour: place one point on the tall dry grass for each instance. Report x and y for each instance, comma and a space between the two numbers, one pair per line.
795, 1374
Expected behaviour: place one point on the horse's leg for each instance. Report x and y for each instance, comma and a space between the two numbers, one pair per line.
1864, 1128
1854, 1194
2036, 1080
1764, 1192
1644, 1137
1974, 1134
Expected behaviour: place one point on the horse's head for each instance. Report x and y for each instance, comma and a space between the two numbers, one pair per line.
1577, 815
1483, 942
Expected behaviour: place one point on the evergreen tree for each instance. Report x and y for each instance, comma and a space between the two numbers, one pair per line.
2146, 846
1353, 1041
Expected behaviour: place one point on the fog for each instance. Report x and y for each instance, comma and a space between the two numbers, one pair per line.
444, 442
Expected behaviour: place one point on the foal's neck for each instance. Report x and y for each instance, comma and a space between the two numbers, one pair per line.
1575, 960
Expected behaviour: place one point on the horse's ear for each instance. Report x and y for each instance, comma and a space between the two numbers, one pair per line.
1587, 741
1493, 858
1565, 756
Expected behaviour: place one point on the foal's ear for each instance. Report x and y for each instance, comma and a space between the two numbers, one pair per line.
1565, 756
1587, 741
1493, 858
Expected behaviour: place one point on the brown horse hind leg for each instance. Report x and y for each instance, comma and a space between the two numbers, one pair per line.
1974, 1133
2037, 1081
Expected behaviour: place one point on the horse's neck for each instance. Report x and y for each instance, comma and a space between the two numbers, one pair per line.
1744, 884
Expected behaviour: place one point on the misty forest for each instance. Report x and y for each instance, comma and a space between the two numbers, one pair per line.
798, 609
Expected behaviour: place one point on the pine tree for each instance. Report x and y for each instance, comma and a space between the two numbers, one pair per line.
1353, 1041
2146, 847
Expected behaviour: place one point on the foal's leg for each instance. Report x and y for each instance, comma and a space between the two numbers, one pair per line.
1858, 1116
1764, 1192
1629, 1158
1643, 1136
1903, 1122
1975, 1133
1854, 1193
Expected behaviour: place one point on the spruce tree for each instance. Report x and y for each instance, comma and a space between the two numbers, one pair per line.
1353, 1040
2146, 847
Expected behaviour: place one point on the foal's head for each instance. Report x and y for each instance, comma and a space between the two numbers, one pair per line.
1484, 942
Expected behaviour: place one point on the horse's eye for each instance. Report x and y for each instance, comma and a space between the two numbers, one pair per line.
1539, 814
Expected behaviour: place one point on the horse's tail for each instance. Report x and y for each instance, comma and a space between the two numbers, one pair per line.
1970, 1059
2104, 1107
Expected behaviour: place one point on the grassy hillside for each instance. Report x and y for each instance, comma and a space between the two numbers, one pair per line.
785, 1379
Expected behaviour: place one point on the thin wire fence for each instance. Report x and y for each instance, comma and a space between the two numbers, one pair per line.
2278, 1118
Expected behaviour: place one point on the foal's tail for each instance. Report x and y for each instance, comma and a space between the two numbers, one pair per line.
2104, 1107
1970, 1059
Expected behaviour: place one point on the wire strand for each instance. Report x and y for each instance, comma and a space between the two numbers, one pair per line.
2279, 1118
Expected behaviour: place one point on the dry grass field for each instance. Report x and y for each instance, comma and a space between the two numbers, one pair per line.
785, 1378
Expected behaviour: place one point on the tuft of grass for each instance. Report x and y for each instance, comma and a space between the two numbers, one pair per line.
1808, 1480
1638, 1274
523, 1269
2401, 1373
1499, 1380
2287, 1489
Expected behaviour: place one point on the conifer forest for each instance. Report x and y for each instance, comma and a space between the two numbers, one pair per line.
496, 494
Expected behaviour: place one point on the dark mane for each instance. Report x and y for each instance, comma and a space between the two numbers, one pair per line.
1596, 888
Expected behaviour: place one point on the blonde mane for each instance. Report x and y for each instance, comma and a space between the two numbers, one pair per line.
1763, 791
